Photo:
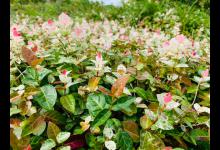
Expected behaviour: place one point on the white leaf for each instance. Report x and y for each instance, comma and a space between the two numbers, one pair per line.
150, 114
108, 132
126, 91
182, 65
172, 77
160, 98
197, 79
168, 62
200, 109
162, 123
64, 148
110, 145
172, 105
138, 100
17, 131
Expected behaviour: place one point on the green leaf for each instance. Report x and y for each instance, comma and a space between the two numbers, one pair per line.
52, 131
14, 111
34, 124
62, 136
151, 96
150, 141
30, 77
124, 141
101, 118
192, 89
126, 105
47, 97
51, 78
92, 142
68, 102
140, 92
178, 148
96, 103
55, 117
35, 140
80, 105
43, 72
48, 144
31, 73
77, 131
196, 133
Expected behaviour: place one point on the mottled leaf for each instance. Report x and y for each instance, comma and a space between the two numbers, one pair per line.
145, 122
126, 105
48, 144
52, 131
149, 141
18, 144
54, 116
47, 97
96, 103
34, 124
62, 136
132, 129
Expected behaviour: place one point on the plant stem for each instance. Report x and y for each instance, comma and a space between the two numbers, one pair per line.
197, 89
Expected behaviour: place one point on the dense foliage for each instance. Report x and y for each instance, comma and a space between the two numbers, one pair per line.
78, 84
192, 15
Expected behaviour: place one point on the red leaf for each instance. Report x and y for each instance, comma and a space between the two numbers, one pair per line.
104, 90
76, 142
118, 86
30, 57
28, 148
34, 49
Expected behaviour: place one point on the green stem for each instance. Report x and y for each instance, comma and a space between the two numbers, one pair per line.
197, 89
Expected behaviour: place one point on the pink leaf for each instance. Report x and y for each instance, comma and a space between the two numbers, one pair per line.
167, 98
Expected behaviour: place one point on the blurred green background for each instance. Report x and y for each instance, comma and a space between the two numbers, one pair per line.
192, 14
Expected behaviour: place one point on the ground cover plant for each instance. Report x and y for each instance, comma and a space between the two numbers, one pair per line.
91, 84
192, 15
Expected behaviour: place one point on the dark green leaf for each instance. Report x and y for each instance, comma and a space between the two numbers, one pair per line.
101, 118
124, 141
140, 92
55, 117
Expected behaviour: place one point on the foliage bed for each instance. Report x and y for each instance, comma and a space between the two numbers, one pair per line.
78, 84
191, 15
